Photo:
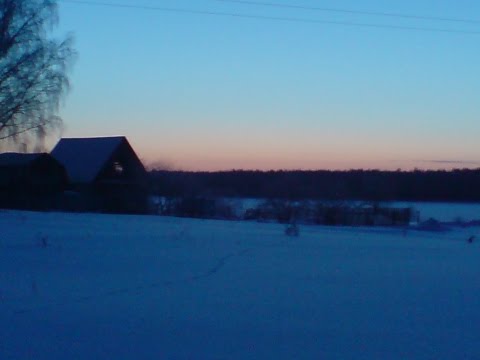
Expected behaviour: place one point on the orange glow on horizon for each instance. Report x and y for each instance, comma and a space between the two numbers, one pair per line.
211, 163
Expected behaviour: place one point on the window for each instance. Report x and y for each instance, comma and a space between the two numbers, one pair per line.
118, 168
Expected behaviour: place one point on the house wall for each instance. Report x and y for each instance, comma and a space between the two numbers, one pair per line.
122, 184
34, 186
132, 171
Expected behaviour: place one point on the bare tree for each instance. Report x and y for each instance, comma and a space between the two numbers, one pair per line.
33, 69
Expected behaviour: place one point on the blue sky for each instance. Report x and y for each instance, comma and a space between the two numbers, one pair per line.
209, 92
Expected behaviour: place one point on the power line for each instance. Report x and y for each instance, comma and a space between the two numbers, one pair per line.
348, 11
269, 18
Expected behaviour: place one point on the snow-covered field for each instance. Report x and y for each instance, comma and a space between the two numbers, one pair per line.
125, 287
447, 212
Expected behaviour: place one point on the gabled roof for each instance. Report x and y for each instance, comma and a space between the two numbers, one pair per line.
84, 158
18, 159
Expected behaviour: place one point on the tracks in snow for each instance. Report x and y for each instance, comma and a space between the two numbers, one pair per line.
137, 290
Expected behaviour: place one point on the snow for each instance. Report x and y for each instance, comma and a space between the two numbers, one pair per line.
84, 158
87, 286
447, 212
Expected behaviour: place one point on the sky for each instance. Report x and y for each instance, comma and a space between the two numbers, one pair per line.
210, 92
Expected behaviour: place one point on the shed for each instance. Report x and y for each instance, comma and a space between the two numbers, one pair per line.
105, 173
31, 181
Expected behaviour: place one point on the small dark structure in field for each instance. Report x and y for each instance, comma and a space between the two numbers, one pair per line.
292, 230
105, 175
31, 181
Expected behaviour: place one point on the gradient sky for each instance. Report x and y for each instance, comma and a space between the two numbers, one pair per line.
208, 92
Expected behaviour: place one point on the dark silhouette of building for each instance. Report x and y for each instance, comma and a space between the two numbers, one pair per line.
105, 175
31, 181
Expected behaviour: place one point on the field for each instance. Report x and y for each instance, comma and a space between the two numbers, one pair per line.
129, 287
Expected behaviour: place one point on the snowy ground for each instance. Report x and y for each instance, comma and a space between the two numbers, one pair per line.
448, 212
126, 287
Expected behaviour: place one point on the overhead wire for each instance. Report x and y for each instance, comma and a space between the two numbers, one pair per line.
269, 18
349, 11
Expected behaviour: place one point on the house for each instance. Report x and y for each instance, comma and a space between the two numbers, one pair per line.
31, 181
105, 175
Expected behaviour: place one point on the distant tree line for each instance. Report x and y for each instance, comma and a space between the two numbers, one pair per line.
462, 185
284, 211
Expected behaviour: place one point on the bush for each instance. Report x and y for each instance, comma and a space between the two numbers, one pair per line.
197, 207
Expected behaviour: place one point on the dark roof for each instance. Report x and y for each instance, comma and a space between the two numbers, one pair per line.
18, 159
84, 158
